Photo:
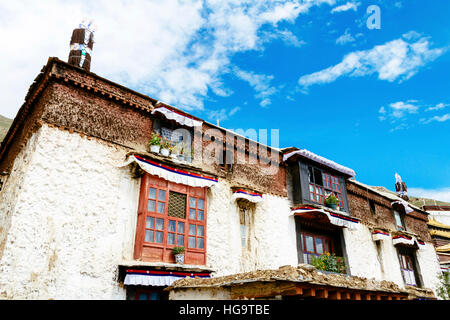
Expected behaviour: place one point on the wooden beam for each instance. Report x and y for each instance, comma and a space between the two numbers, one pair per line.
336, 295
309, 292
322, 293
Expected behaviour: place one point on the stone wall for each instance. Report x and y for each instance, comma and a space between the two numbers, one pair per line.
71, 220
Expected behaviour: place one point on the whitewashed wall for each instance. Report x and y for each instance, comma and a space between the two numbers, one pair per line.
364, 261
272, 237
68, 217
71, 222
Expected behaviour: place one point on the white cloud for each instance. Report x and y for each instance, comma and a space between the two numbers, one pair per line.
400, 108
260, 83
442, 194
345, 38
345, 7
439, 106
397, 59
174, 51
222, 114
442, 118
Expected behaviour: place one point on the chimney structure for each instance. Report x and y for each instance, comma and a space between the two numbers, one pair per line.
400, 187
81, 45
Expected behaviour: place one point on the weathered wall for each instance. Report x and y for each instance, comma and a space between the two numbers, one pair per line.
73, 224
272, 238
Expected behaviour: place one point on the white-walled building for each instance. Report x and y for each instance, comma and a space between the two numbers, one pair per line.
87, 212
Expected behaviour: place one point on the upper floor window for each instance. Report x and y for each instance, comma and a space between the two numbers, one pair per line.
399, 220
170, 215
321, 184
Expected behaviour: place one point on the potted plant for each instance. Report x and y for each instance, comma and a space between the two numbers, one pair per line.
155, 142
181, 149
178, 253
165, 147
331, 201
329, 262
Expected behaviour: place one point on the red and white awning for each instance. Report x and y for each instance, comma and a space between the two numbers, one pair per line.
407, 240
324, 161
182, 119
380, 235
248, 195
172, 174
157, 278
334, 218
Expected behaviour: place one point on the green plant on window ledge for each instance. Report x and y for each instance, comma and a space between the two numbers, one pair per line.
329, 262
331, 201
177, 250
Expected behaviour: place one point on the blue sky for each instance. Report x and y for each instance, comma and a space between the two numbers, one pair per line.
375, 100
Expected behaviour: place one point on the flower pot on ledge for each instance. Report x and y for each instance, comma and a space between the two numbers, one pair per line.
179, 258
155, 148
331, 205
165, 152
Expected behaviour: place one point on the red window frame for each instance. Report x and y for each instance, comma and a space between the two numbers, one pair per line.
153, 242
327, 243
330, 184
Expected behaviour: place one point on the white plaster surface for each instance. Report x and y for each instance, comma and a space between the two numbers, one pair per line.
68, 218
272, 236
71, 220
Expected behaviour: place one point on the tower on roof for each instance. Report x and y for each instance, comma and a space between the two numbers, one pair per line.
81, 45
400, 187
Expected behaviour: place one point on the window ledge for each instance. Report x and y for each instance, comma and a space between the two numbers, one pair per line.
165, 265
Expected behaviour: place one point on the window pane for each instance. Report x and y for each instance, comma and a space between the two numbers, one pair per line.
155, 296
192, 202
200, 243
309, 243
162, 195
161, 207
311, 188
158, 237
152, 193
143, 296
148, 236
200, 215
200, 203
200, 231
159, 224
180, 240
398, 219
319, 246
151, 205
191, 243
180, 228
171, 238
150, 223
311, 174
172, 224
192, 229
318, 177
192, 214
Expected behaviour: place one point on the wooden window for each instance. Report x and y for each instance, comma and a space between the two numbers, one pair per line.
170, 215
151, 294
399, 220
315, 245
321, 184
407, 266
372, 207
